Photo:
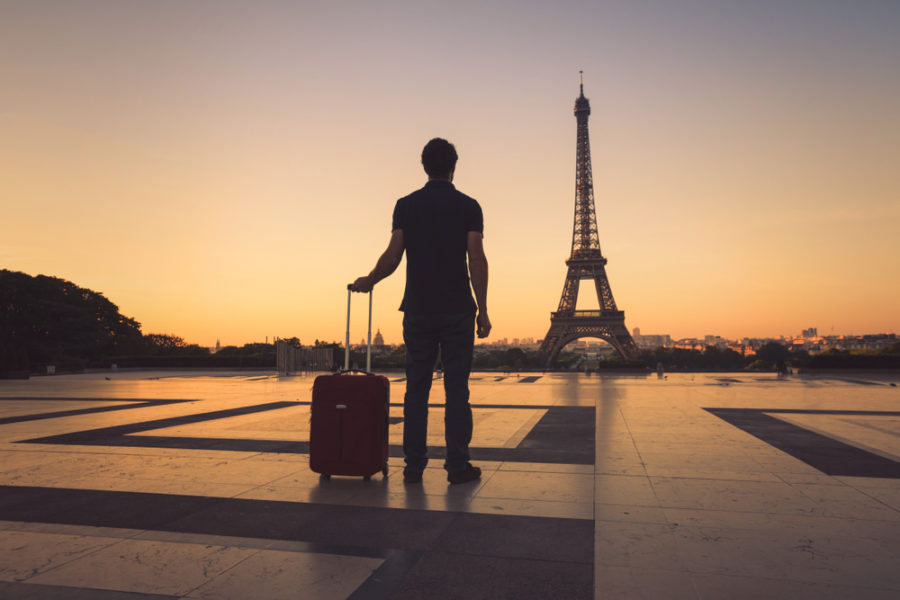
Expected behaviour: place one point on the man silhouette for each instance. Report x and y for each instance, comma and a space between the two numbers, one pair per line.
439, 228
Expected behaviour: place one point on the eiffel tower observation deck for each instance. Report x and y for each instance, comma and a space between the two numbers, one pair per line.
585, 262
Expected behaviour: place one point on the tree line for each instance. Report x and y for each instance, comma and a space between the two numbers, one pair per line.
772, 356
50, 321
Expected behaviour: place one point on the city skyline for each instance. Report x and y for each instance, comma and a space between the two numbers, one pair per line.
221, 172
535, 341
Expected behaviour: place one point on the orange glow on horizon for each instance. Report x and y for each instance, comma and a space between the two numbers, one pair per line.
223, 175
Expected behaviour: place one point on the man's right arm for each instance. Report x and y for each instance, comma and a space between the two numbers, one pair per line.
387, 264
478, 273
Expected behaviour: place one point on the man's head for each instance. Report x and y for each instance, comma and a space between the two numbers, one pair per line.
439, 159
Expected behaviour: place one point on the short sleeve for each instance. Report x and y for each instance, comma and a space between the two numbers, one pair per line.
474, 218
399, 220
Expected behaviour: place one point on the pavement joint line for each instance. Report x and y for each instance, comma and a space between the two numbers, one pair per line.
80, 556
221, 573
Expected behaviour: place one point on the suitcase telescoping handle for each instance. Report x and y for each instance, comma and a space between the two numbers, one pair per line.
347, 339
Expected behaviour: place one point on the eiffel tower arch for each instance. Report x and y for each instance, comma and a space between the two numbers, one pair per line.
586, 262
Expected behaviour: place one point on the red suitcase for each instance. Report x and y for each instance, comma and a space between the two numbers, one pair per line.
348, 433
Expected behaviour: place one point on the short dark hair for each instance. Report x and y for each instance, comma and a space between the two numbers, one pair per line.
439, 158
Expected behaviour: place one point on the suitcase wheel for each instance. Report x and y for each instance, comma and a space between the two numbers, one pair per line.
324, 476
367, 478
384, 470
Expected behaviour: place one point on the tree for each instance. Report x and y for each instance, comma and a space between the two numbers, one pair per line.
161, 343
724, 360
47, 320
773, 352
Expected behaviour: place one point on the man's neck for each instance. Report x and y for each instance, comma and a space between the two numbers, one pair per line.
448, 178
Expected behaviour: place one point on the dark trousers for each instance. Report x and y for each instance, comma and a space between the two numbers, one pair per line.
454, 335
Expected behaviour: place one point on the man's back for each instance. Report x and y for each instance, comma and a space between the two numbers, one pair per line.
436, 221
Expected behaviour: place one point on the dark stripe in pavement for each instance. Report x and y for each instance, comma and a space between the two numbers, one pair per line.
295, 402
382, 583
83, 411
859, 381
571, 455
565, 434
38, 591
350, 530
507, 547
831, 456
89, 399
451, 576
82, 437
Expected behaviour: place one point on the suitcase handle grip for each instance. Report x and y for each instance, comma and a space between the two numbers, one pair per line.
347, 338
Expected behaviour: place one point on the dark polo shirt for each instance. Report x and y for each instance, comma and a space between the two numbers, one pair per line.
436, 221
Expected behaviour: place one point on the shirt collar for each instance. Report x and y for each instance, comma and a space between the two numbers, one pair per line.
439, 184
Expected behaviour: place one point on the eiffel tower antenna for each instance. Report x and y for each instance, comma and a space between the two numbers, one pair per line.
585, 261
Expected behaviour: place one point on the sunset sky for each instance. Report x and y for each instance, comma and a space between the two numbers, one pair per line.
221, 170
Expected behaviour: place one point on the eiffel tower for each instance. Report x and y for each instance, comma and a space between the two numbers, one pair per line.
585, 262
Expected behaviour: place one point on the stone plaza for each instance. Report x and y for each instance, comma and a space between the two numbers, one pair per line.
176, 484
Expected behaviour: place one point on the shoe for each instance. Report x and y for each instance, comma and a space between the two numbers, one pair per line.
468, 474
410, 477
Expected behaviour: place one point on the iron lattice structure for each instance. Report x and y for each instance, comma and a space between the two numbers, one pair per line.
585, 262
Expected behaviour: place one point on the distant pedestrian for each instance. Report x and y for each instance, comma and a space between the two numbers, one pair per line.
439, 228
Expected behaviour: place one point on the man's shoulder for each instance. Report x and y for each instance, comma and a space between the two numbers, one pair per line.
411, 196
466, 197
427, 192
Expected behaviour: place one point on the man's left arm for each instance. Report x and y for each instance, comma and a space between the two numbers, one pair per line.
478, 275
387, 264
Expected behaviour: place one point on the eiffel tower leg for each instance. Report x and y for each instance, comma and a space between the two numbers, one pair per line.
624, 343
569, 297
556, 339
604, 292
548, 351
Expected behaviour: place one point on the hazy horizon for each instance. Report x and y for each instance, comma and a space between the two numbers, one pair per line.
221, 169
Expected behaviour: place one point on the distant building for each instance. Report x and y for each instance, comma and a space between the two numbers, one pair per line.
810, 333
878, 341
651, 340
379, 339
689, 344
